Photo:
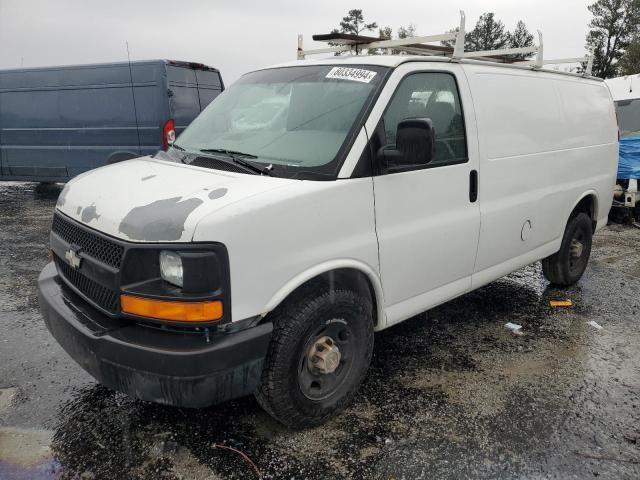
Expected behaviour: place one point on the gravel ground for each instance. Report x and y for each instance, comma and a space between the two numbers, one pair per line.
450, 394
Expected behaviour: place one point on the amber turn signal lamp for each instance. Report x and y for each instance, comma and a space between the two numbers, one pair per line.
172, 310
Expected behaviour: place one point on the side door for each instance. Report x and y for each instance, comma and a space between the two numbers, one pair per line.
427, 215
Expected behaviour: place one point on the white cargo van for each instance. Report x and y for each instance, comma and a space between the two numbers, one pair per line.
312, 204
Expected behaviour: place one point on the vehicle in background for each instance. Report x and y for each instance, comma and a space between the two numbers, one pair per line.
57, 122
626, 95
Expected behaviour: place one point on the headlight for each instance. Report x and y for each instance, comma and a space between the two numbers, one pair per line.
171, 267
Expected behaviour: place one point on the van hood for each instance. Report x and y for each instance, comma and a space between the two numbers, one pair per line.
150, 200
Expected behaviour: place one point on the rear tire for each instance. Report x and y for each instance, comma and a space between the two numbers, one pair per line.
301, 386
565, 267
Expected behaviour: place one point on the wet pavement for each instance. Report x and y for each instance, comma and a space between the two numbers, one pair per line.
450, 394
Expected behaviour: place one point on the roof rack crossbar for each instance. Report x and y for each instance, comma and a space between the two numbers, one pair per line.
417, 45
505, 51
557, 61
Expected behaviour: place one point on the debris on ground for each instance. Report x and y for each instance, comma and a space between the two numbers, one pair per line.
242, 454
632, 437
515, 328
595, 324
7, 397
561, 303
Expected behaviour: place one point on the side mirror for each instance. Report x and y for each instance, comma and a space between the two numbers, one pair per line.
415, 144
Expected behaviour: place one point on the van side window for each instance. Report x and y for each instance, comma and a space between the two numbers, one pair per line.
433, 96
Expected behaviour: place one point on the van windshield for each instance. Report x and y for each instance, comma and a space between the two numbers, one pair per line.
297, 119
629, 117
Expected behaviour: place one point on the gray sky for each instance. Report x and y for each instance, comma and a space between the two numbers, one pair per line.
240, 35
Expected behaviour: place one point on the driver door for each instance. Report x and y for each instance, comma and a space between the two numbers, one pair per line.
427, 215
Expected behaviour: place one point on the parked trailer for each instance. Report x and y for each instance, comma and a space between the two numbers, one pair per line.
58, 122
626, 95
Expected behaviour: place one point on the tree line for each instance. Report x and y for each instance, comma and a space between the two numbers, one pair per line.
488, 34
613, 36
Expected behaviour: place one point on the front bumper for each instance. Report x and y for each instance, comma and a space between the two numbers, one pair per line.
187, 369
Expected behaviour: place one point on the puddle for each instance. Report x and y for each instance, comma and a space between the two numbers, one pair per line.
26, 454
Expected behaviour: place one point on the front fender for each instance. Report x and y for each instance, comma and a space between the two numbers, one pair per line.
290, 286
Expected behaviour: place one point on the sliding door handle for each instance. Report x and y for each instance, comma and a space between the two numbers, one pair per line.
473, 186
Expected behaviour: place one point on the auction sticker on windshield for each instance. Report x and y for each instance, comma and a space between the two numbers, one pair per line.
355, 74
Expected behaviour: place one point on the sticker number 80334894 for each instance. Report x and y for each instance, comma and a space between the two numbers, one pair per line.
355, 74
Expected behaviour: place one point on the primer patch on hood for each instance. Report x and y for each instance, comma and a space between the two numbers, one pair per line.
162, 220
89, 213
218, 193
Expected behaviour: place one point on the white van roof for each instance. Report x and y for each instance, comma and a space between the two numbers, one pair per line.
396, 60
624, 88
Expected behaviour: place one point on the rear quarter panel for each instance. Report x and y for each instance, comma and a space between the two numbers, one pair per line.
546, 140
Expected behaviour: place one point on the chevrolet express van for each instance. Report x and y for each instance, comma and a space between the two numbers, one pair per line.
313, 204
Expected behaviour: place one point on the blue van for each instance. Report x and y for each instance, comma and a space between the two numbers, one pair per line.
57, 122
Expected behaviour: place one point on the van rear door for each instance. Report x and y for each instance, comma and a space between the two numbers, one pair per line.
209, 85
184, 101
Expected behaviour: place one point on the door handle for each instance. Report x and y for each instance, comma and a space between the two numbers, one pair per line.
473, 186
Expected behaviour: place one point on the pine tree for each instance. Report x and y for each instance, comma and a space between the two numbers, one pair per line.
353, 23
614, 25
520, 38
488, 34
630, 62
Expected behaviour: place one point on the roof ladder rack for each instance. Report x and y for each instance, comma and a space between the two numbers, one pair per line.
342, 42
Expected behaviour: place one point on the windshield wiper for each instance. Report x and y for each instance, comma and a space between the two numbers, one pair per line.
233, 155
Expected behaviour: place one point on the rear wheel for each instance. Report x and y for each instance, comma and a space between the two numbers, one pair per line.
319, 354
566, 266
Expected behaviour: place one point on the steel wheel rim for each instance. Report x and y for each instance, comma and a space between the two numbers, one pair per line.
577, 251
314, 384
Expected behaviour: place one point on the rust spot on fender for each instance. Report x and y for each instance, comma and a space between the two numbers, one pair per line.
162, 220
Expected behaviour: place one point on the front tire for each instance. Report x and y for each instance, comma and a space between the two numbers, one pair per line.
319, 353
565, 267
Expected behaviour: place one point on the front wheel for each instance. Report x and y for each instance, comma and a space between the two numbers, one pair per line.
320, 352
566, 266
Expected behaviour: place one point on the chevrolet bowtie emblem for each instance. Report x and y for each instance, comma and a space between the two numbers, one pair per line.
73, 258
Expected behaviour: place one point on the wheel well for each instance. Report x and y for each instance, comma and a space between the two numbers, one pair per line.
346, 278
587, 205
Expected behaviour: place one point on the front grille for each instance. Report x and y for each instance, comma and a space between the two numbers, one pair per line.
98, 294
215, 164
90, 243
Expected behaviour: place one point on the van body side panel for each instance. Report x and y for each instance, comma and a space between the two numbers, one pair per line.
58, 122
274, 240
152, 104
545, 140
